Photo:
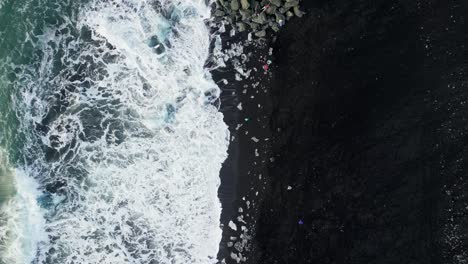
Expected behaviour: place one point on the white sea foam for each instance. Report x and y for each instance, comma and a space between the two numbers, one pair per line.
134, 153
22, 222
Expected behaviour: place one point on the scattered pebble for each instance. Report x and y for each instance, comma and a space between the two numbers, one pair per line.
232, 226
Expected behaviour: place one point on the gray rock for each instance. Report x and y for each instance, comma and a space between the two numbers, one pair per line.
254, 26
270, 22
276, 2
241, 26
280, 19
298, 12
260, 34
222, 3
260, 18
219, 13
283, 10
275, 27
246, 14
245, 4
289, 14
271, 9
291, 3
234, 5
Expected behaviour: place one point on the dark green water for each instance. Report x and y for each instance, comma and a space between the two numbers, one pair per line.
21, 22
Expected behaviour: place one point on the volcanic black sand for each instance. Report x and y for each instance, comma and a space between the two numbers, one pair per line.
366, 116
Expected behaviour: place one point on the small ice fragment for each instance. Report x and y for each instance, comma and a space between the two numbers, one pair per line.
289, 188
235, 257
256, 153
244, 91
232, 225
254, 139
240, 210
239, 106
300, 222
241, 219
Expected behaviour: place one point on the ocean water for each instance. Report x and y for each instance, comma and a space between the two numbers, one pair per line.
111, 145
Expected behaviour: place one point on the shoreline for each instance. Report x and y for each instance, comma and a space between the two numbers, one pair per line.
246, 111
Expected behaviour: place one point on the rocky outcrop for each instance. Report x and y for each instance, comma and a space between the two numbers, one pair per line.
257, 16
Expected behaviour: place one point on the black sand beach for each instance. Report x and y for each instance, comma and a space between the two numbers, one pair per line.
367, 119
246, 106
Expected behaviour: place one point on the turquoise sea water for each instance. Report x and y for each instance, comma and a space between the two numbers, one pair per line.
109, 147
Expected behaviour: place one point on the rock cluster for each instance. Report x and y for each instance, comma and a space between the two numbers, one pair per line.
257, 15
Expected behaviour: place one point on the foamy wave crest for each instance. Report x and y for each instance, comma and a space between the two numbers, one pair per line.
22, 221
127, 144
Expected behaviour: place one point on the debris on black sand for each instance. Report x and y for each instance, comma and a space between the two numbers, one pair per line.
242, 65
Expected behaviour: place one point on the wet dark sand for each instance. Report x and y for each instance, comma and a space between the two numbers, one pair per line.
368, 113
